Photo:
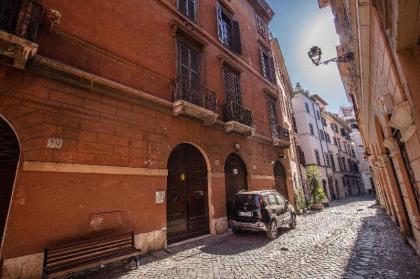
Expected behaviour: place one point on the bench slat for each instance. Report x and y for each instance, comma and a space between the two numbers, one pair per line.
75, 251
85, 244
82, 255
64, 272
86, 255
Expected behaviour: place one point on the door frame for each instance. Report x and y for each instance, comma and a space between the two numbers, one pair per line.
14, 183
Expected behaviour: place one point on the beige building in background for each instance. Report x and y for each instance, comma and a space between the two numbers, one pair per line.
383, 84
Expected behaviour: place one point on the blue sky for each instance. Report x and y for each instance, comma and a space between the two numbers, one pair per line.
299, 25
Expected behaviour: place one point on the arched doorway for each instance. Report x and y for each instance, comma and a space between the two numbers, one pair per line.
235, 179
187, 194
280, 179
9, 158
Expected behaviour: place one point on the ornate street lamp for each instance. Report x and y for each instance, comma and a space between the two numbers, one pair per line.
315, 55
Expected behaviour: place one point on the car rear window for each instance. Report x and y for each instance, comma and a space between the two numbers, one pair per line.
251, 201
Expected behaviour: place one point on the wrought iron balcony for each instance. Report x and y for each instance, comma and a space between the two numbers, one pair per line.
281, 136
238, 118
19, 24
21, 18
194, 100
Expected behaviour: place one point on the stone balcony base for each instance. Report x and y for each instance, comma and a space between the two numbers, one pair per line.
234, 126
281, 142
182, 107
16, 51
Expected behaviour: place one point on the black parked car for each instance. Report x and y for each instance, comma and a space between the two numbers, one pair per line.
262, 211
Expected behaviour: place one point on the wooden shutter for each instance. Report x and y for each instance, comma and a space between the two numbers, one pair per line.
188, 71
232, 92
236, 37
182, 6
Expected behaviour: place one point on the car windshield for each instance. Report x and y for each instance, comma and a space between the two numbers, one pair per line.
250, 201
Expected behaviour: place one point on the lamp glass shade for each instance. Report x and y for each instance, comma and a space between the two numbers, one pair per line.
315, 54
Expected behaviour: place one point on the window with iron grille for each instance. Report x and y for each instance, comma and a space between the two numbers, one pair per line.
294, 124
344, 163
307, 107
339, 162
332, 161
311, 128
232, 86
324, 122
228, 29
272, 114
262, 26
188, 8
267, 64
318, 161
406, 160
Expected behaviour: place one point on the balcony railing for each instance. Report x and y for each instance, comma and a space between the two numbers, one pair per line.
233, 111
281, 133
21, 18
185, 90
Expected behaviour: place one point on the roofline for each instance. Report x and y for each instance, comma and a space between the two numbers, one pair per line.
316, 96
264, 7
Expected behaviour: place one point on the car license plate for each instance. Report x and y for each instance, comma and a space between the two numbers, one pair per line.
245, 214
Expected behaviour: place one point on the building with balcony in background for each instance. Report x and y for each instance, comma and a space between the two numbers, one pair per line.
324, 139
144, 117
347, 114
383, 85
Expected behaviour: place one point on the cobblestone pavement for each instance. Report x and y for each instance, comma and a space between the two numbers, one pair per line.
351, 239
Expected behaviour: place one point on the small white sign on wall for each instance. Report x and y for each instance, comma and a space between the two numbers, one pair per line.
55, 143
160, 197
235, 171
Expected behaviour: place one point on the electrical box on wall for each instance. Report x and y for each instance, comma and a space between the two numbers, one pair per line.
160, 197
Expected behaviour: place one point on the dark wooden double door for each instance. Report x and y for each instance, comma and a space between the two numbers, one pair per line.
280, 179
187, 195
235, 180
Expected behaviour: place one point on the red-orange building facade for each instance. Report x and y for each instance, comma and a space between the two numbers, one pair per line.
141, 116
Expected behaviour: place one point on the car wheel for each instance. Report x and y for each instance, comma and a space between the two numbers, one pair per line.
293, 223
273, 230
236, 230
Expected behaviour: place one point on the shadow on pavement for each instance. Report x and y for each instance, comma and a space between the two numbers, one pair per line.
227, 244
380, 251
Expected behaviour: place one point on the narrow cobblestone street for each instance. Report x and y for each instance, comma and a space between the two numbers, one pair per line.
353, 238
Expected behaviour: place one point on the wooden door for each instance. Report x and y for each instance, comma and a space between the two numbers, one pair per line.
280, 179
187, 208
235, 180
9, 157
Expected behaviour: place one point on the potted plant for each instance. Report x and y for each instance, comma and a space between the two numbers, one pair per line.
317, 192
300, 202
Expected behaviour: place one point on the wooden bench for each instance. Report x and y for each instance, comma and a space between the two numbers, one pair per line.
83, 255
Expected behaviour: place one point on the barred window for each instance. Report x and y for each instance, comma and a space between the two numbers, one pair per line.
267, 64
318, 160
228, 29
262, 26
188, 8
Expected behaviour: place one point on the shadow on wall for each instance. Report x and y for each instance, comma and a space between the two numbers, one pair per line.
380, 251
